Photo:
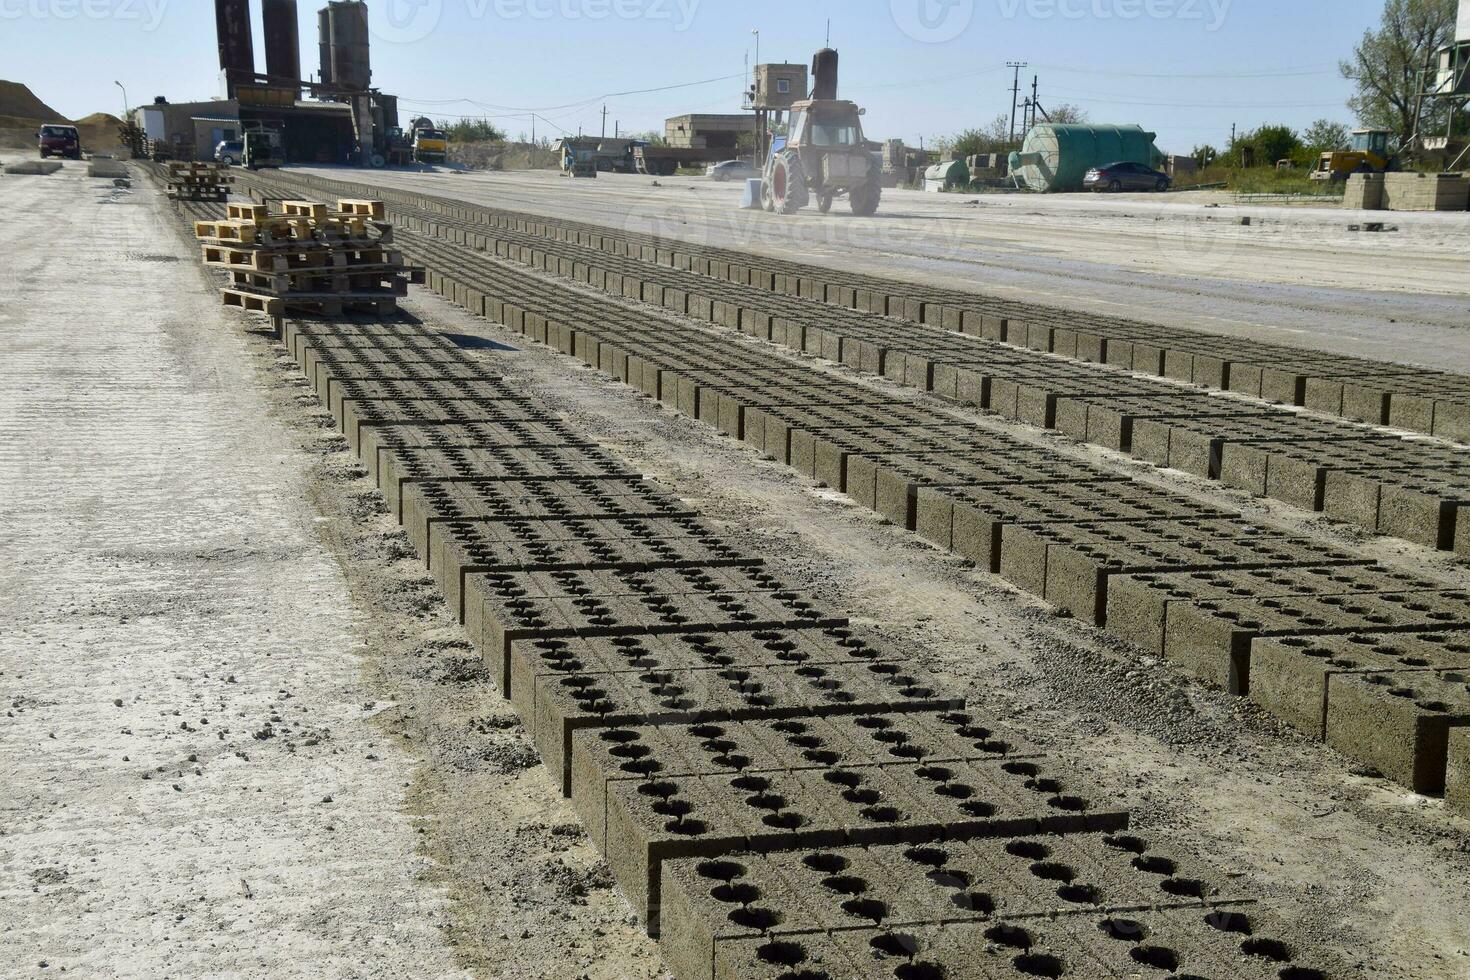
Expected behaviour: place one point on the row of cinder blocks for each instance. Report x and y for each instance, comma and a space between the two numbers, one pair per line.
651, 662
989, 518
1105, 905
1252, 367
1194, 436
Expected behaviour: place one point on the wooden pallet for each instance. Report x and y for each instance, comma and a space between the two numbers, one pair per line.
247, 212
253, 303
305, 209
336, 282
276, 231
374, 210
307, 256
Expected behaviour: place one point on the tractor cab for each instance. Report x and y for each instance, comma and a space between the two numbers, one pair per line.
1374, 141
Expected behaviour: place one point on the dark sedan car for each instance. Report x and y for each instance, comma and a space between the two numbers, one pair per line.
1126, 177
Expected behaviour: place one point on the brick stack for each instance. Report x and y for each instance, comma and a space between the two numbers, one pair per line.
307, 258
1425, 192
198, 181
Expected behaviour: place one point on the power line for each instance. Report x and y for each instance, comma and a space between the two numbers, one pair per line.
575, 105
1287, 73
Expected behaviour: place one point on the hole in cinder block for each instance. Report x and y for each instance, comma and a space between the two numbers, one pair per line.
828, 864
949, 877
720, 870
1126, 842
881, 814
1015, 937
979, 902
1052, 871
686, 828
1079, 894
1124, 930
862, 797
662, 791
787, 820
918, 971
755, 918
750, 784
1236, 922
1266, 949
845, 884
1184, 887
978, 808
895, 944
935, 774
781, 953
1040, 965
866, 908
1158, 957
735, 893
1030, 849
1301, 973
673, 808
932, 857
844, 777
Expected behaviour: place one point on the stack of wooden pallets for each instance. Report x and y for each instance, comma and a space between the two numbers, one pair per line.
199, 181
308, 258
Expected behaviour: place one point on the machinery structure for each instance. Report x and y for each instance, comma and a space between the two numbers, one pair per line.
344, 119
1057, 156
1367, 153
824, 154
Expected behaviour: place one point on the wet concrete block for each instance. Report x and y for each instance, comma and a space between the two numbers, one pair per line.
1457, 773
1399, 723
1423, 512
1409, 410
1452, 419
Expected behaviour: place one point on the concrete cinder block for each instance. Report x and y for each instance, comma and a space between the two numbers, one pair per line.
1399, 723
1457, 773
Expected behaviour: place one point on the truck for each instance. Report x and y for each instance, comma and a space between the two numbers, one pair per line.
430, 145
60, 140
1368, 153
665, 161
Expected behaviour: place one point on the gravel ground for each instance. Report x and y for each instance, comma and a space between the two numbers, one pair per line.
244, 738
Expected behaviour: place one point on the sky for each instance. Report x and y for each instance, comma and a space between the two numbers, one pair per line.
923, 69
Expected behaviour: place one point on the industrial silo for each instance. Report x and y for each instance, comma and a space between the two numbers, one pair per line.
324, 43
350, 60
282, 39
236, 48
1055, 157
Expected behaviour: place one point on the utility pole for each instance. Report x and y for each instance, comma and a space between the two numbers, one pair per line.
1035, 80
604, 120
1015, 94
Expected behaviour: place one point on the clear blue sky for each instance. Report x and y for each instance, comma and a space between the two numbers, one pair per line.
923, 68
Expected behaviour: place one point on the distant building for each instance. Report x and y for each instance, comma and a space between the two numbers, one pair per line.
778, 86
199, 124
708, 131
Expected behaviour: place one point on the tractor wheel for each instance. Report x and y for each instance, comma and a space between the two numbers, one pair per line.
824, 202
788, 184
865, 199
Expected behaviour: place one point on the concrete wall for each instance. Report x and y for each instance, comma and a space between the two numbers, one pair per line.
1426, 192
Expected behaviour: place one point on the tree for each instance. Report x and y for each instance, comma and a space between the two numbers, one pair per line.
1265, 146
472, 131
1386, 63
1324, 135
1067, 113
1205, 155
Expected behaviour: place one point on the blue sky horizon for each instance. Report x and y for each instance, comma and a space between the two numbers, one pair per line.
924, 69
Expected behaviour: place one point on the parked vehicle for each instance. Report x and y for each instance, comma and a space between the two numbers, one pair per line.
1126, 177
732, 170
230, 152
60, 140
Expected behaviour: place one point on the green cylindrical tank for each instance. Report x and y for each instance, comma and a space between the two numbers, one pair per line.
1055, 157
949, 175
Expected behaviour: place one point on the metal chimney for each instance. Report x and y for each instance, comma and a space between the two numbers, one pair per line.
824, 74
282, 39
236, 47
349, 53
324, 43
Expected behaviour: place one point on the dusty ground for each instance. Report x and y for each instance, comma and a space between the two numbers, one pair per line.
1294, 275
184, 535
